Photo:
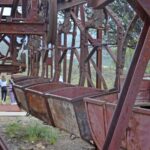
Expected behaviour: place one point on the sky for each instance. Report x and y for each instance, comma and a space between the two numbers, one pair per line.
7, 10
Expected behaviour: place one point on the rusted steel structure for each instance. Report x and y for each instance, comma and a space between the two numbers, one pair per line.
36, 27
17, 20
59, 34
116, 121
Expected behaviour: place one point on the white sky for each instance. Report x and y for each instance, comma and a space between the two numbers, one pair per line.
7, 10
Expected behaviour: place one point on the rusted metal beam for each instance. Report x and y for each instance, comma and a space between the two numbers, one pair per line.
145, 5
4, 40
63, 56
7, 3
129, 92
77, 21
120, 34
56, 58
81, 27
6, 56
9, 68
115, 17
52, 24
138, 8
65, 5
99, 3
99, 74
111, 54
1, 13
73, 43
91, 54
23, 28
14, 7
65, 60
98, 70
24, 8
2, 36
126, 39
72, 52
99, 57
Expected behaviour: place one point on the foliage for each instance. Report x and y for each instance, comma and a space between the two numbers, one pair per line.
126, 14
33, 132
12, 129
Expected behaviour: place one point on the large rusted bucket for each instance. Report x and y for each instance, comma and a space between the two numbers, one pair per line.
68, 110
144, 89
19, 78
37, 100
100, 111
19, 92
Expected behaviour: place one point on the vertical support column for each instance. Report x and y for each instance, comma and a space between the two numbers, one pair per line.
24, 8
33, 15
119, 54
52, 57
1, 13
57, 57
99, 58
74, 34
82, 51
65, 60
72, 53
82, 56
13, 48
29, 58
129, 92
43, 56
14, 7
85, 70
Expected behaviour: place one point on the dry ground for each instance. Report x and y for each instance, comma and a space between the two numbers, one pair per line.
64, 142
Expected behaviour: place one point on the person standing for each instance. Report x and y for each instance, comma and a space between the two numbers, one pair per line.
3, 84
12, 97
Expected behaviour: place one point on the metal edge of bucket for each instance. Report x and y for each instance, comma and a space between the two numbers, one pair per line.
51, 121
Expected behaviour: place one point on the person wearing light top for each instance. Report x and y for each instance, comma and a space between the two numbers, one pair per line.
11, 93
3, 84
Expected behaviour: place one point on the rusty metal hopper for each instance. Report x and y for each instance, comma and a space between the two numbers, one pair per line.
68, 110
144, 90
100, 111
19, 78
38, 104
19, 92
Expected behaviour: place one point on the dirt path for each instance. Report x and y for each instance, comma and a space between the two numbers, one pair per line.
64, 142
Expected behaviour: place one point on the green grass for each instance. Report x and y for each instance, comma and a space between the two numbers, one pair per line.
35, 132
12, 129
32, 132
